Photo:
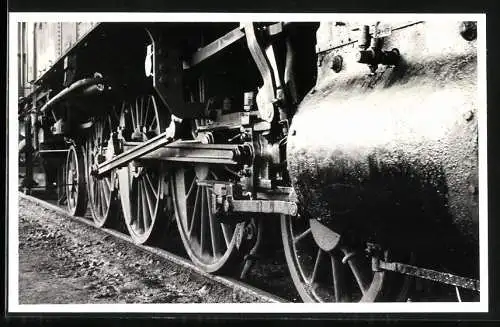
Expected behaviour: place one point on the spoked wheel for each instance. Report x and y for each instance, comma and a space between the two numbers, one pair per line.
101, 190
340, 274
143, 186
76, 196
148, 216
211, 244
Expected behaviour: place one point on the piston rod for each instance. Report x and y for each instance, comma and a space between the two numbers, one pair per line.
195, 152
132, 154
162, 148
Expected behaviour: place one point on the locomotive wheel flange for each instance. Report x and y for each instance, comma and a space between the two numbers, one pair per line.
143, 186
324, 269
76, 197
211, 244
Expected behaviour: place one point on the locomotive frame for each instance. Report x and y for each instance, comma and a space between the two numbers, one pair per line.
135, 156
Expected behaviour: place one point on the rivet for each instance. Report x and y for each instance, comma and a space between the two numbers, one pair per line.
336, 64
468, 30
469, 115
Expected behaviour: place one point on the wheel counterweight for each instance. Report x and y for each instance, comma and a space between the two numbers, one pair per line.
341, 274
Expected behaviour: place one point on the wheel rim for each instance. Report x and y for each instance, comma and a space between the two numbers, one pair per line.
101, 190
146, 200
211, 245
341, 275
75, 182
148, 182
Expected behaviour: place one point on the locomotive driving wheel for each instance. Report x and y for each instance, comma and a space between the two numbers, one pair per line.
211, 244
342, 273
143, 185
76, 197
101, 191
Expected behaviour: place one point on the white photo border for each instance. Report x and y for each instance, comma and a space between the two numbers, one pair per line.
12, 172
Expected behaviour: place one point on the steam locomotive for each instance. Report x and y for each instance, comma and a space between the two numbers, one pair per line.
360, 138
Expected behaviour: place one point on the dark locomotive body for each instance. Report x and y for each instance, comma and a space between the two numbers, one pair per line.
362, 138
395, 156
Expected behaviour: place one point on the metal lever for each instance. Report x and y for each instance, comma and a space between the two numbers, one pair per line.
437, 276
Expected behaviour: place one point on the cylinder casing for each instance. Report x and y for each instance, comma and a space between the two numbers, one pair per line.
393, 156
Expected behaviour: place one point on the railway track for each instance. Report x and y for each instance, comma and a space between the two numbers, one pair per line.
177, 259
247, 137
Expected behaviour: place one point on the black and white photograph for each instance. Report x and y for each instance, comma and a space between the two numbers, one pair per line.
236, 162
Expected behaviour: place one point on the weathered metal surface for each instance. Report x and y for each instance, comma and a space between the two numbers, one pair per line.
429, 274
332, 35
394, 155
49, 41
264, 206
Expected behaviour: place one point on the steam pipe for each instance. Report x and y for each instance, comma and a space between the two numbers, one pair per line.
83, 83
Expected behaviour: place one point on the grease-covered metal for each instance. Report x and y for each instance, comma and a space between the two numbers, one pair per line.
393, 156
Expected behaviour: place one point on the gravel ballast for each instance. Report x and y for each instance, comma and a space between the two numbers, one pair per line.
64, 261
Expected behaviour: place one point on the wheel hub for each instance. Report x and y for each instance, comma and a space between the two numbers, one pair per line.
138, 135
135, 170
100, 158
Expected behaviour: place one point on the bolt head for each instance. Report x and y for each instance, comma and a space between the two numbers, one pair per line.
468, 30
358, 56
469, 115
336, 64
225, 206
